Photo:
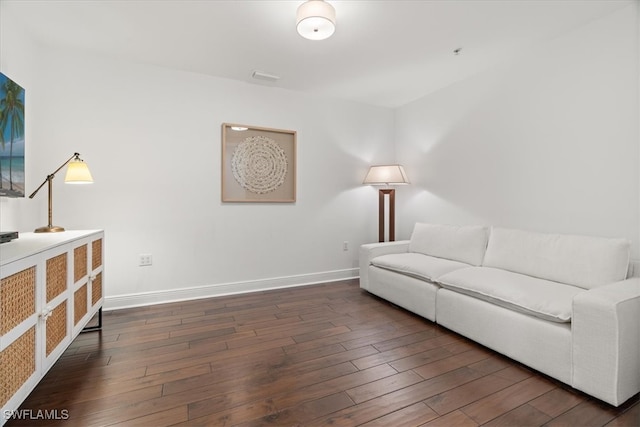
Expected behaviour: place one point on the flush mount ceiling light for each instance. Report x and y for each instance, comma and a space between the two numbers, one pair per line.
316, 20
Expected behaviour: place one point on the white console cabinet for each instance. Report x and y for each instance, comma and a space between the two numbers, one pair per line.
51, 285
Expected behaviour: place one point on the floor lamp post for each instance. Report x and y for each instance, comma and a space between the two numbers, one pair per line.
386, 175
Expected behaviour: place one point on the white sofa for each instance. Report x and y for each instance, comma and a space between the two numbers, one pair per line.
567, 306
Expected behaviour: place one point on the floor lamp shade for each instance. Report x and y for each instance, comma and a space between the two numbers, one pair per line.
386, 175
77, 173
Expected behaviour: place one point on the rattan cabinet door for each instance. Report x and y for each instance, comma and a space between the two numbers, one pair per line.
19, 363
80, 283
97, 272
86, 280
55, 312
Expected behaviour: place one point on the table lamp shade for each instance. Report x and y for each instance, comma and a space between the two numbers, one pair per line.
78, 173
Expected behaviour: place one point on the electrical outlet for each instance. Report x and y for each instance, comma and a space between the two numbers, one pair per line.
145, 259
345, 246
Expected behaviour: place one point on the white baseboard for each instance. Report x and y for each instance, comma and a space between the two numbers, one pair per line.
118, 302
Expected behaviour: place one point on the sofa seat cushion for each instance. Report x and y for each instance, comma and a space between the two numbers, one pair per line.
537, 297
417, 265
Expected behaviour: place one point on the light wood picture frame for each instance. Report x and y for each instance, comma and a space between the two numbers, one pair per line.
258, 164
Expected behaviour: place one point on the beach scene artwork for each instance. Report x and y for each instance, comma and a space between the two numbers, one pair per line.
11, 138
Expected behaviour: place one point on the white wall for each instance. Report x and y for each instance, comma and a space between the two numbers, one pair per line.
151, 138
18, 61
548, 141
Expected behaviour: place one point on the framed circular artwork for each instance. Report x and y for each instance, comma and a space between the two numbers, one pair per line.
258, 164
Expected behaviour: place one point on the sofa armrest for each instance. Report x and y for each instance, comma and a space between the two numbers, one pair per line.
371, 250
606, 341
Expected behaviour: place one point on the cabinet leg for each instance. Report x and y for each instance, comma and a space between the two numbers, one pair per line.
97, 327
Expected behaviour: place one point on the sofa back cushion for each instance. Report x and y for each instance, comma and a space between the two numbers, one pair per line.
582, 261
459, 243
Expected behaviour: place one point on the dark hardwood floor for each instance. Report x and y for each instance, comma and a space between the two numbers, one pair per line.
319, 355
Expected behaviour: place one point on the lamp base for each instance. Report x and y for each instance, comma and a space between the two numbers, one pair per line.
392, 213
47, 229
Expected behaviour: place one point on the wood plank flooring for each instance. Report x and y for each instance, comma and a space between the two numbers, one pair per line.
319, 355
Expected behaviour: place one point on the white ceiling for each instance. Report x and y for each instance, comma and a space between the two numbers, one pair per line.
384, 53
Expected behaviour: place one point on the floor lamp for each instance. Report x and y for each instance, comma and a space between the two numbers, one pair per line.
386, 175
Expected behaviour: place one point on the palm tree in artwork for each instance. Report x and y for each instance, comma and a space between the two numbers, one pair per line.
1, 145
11, 119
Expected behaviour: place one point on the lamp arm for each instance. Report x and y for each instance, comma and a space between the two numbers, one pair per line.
50, 176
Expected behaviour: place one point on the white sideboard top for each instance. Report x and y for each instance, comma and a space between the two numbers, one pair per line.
32, 243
